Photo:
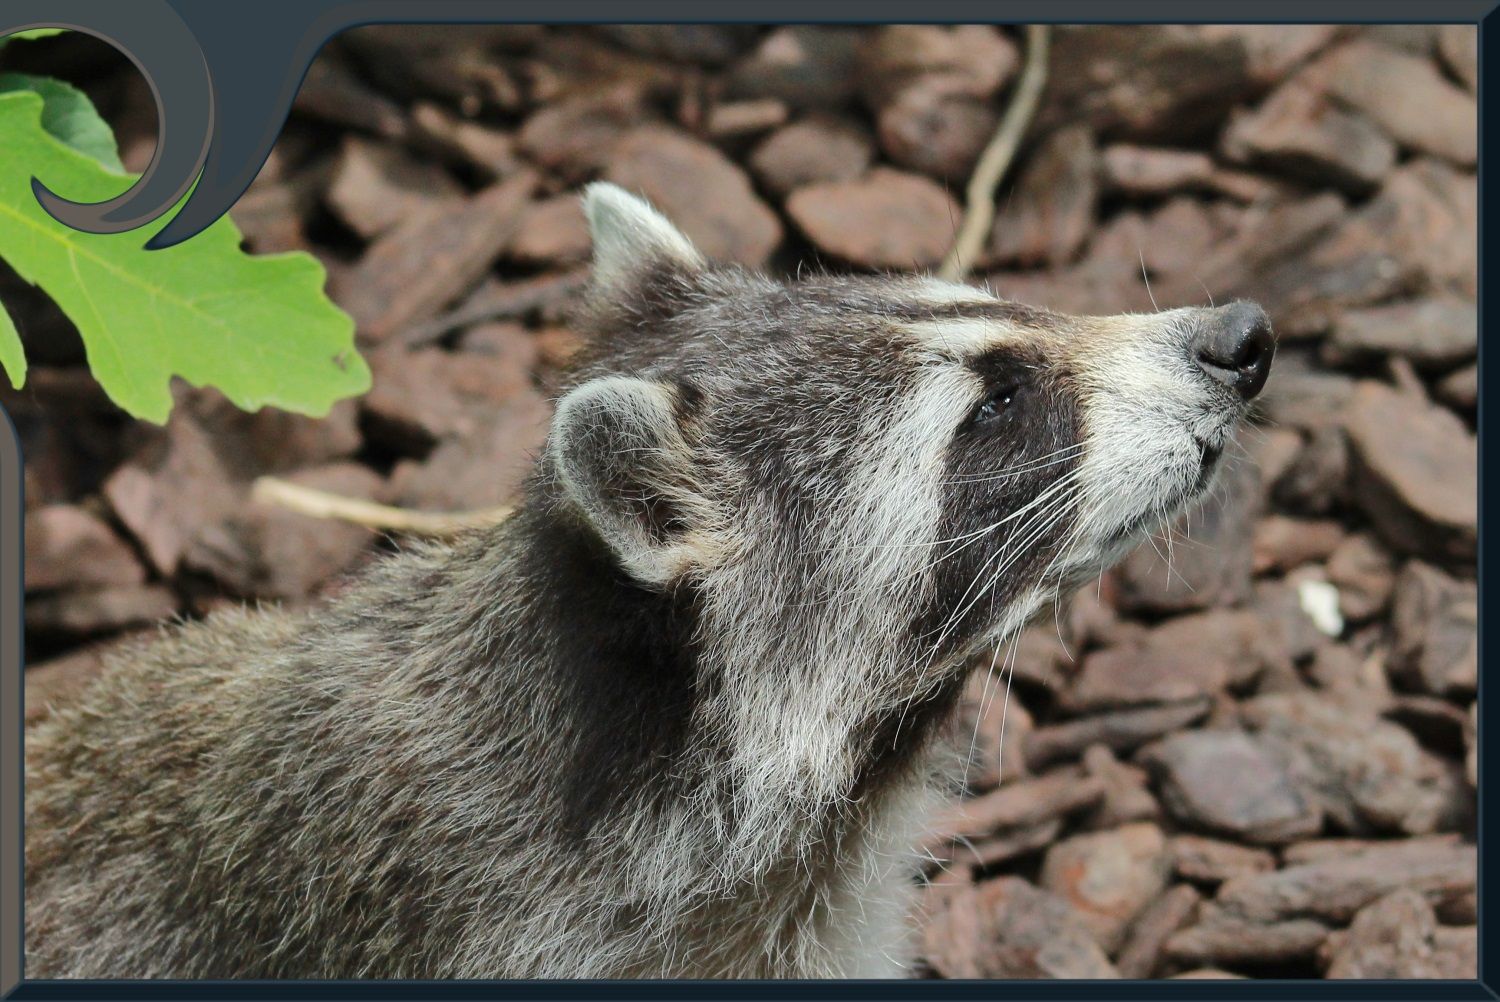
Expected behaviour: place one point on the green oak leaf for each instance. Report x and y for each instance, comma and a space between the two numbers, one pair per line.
68, 114
33, 34
12, 358
258, 328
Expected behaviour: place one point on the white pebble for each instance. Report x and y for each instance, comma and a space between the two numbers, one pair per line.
1320, 600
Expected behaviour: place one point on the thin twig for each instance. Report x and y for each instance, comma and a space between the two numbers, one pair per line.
499, 301
383, 518
979, 212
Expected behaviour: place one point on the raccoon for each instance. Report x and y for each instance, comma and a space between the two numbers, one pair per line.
680, 716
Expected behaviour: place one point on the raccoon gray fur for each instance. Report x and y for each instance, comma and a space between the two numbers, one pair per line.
679, 716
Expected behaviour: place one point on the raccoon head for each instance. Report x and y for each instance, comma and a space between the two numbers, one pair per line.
876, 470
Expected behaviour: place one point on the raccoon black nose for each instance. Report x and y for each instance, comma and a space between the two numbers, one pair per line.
1234, 345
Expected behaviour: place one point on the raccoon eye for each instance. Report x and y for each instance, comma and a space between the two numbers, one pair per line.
995, 403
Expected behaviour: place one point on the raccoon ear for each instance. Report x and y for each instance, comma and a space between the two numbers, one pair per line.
620, 456
630, 236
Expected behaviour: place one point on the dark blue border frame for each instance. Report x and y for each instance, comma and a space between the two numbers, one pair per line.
783, 991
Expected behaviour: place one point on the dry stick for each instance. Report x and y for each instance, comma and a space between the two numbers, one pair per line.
502, 302
386, 518
381, 517
979, 212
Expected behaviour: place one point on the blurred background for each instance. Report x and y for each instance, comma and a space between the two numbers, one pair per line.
1247, 751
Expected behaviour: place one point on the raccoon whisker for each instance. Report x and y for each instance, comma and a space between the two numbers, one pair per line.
969, 538
1007, 475
1171, 571
1064, 450
1036, 534
1057, 609
1043, 521
1009, 681
1171, 556
952, 621
1162, 515
1146, 278
1048, 495
984, 478
1239, 447
1066, 550
1066, 480
1075, 447
1210, 295
1259, 434
1167, 529
979, 715
966, 539
961, 841
1187, 540
1151, 539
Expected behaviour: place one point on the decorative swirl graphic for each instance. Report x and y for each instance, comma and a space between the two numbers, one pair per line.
223, 76
164, 49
